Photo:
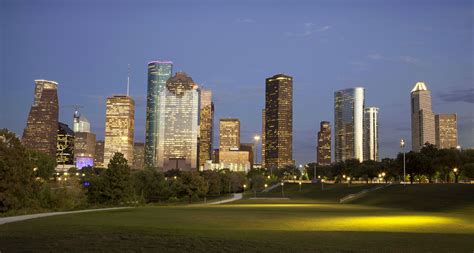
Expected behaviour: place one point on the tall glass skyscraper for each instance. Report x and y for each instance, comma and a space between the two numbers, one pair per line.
178, 124
348, 124
371, 133
158, 73
206, 127
422, 117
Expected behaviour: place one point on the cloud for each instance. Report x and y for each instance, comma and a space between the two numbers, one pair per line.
245, 20
309, 29
466, 95
409, 59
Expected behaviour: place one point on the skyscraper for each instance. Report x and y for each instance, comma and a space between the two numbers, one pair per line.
84, 142
81, 124
138, 156
179, 124
119, 127
99, 154
41, 129
229, 134
206, 127
65, 146
278, 121
158, 73
446, 131
348, 124
323, 154
371, 134
422, 117
263, 138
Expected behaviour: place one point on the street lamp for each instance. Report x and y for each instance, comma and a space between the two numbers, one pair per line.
266, 185
245, 186
299, 184
402, 146
282, 193
257, 139
349, 181
455, 170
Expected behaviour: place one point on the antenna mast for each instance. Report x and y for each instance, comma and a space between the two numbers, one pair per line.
128, 81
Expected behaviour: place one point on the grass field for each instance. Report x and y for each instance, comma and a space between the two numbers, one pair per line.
306, 223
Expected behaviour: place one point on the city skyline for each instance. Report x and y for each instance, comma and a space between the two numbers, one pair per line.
451, 87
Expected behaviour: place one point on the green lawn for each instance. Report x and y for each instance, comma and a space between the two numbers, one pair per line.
250, 226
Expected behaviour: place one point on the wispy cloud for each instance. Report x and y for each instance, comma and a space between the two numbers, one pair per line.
309, 29
244, 20
465, 95
402, 59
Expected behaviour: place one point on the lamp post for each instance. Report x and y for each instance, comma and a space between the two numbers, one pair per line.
282, 193
314, 172
299, 184
322, 184
257, 139
455, 170
402, 146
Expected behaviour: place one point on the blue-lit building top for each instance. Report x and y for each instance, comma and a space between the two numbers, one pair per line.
158, 73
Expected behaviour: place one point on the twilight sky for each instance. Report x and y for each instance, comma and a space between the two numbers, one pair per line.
230, 47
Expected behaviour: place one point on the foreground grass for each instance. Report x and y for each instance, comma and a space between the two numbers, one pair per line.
311, 221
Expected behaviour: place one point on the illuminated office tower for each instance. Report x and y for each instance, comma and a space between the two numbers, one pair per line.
178, 124
422, 117
41, 129
138, 156
446, 131
371, 133
84, 142
229, 134
263, 138
158, 73
119, 128
348, 124
206, 127
64, 146
81, 124
323, 153
278, 121
99, 154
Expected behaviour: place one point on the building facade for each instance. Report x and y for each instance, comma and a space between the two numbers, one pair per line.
119, 128
84, 149
251, 149
41, 129
323, 153
64, 146
179, 124
99, 154
229, 134
206, 127
278, 121
263, 138
422, 117
138, 156
446, 131
158, 73
81, 124
371, 133
348, 124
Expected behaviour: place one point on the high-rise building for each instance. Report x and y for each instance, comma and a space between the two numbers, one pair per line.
446, 131
229, 134
348, 124
41, 129
64, 146
206, 127
179, 124
278, 121
250, 148
422, 117
119, 128
84, 149
323, 154
158, 73
371, 134
81, 124
263, 138
99, 154
138, 156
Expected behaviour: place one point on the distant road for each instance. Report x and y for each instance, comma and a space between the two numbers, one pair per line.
39, 215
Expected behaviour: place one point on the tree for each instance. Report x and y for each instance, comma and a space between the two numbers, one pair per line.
213, 180
428, 155
368, 170
193, 185
45, 164
467, 170
257, 183
18, 187
150, 185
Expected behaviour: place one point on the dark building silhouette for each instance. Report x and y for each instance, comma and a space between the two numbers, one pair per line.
323, 154
138, 156
278, 121
65, 145
41, 129
99, 154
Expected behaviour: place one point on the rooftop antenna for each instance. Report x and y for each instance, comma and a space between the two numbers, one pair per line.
128, 81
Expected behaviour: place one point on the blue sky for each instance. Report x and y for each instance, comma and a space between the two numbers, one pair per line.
230, 47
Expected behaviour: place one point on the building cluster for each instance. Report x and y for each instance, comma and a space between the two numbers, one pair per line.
180, 120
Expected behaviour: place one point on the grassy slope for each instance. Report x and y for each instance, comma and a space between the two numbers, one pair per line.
248, 227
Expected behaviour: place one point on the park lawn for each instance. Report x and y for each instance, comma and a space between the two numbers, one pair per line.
255, 227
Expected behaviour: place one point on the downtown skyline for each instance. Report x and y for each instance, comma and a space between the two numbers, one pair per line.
238, 88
